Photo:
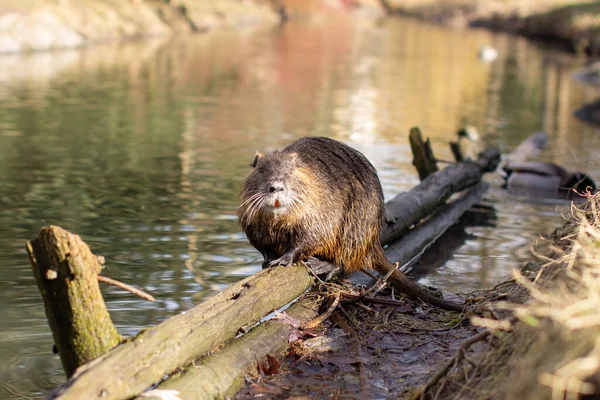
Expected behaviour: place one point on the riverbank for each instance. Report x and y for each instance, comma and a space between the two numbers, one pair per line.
574, 25
550, 349
35, 25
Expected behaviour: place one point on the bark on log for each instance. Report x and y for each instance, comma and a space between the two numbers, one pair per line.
409, 248
221, 374
158, 351
407, 209
66, 273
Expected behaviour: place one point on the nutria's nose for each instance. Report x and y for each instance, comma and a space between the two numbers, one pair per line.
276, 187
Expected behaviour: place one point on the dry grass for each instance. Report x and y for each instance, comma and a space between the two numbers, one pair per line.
564, 314
553, 351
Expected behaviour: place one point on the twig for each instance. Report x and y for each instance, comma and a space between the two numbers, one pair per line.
337, 318
374, 300
124, 286
455, 359
385, 281
319, 320
377, 286
350, 318
366, 308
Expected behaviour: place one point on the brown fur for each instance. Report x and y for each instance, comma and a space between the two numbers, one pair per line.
319, 197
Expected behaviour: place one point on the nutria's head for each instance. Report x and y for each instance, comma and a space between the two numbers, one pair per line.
274, 188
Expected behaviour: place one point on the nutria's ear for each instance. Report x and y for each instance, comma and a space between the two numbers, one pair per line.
257, 157
294, 157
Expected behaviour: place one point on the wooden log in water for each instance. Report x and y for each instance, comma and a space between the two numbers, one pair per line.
159, 351
408, 249
66, 273
408, 208
221, 374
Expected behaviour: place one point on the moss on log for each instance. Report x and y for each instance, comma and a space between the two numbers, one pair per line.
221, 374
66, 273
159, 351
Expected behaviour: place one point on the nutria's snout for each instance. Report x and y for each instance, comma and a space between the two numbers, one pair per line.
276, 186
278, 196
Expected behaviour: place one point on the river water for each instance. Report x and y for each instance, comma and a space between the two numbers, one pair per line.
140, 149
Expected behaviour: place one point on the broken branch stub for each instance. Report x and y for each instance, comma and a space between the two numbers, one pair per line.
423, 158
66, 272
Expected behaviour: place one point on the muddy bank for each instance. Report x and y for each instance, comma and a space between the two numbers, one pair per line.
533, 337
575, 26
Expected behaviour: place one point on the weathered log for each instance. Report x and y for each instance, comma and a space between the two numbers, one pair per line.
408, 249
407, 209
66, 273
221, 374
423, 158
158, 351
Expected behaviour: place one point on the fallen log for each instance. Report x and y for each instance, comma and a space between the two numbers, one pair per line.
158, 351
221, 374
408, 208
409, 248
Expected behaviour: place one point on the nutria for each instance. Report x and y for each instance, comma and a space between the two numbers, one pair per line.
319, 197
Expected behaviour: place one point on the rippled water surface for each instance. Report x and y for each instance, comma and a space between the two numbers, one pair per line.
140, 149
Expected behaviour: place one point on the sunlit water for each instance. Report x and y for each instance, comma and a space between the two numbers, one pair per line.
140, 149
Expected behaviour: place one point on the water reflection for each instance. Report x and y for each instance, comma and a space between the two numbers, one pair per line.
140, 149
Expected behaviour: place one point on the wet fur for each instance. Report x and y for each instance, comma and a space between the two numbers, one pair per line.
334, 210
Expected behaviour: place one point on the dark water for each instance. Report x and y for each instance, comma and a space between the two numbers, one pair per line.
140, 148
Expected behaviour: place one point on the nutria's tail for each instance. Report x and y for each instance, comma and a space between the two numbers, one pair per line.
412, 290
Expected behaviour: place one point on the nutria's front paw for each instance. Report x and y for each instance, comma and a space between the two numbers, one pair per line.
285, 260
